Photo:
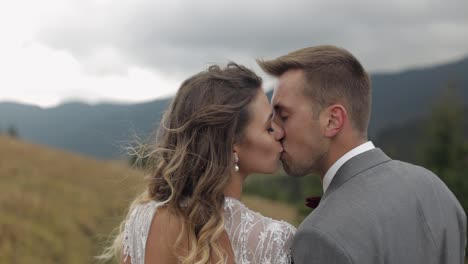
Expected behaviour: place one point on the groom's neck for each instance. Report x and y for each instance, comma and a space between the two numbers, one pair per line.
338, 148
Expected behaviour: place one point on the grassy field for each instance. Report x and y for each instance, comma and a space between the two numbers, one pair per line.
59, 207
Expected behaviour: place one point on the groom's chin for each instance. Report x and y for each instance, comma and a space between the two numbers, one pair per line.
290, 171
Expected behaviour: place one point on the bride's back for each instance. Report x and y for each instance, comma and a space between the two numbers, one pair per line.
162, 236
151, 234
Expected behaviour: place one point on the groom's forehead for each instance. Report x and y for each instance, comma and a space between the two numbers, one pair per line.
281, 96
289, 90
286, 99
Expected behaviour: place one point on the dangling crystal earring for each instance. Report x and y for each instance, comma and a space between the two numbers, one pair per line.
236, 160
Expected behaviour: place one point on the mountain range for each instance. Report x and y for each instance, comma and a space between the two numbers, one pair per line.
103, 130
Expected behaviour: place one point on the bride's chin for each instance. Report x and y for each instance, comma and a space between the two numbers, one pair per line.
274, 168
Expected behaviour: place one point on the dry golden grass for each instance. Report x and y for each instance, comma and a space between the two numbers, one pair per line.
58, 207
55, 206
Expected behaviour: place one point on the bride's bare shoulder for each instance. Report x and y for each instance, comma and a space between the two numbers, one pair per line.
162, 236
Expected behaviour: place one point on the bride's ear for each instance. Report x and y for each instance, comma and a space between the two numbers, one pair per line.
236, 159
236, 148
236, 151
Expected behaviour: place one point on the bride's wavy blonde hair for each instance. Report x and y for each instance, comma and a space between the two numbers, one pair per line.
191, 161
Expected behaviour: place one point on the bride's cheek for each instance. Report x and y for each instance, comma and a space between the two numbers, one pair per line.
273, 150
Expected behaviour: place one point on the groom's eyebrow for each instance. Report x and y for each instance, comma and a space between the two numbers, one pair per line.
279, 108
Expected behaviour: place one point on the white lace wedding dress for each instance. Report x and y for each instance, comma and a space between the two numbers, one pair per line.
254, 238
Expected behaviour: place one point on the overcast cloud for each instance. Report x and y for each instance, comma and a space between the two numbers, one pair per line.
168, 40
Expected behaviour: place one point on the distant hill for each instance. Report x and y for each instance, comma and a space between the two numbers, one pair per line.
400, 97
95, 130
101, 130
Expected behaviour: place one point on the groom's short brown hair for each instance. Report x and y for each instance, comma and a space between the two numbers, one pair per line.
332, 75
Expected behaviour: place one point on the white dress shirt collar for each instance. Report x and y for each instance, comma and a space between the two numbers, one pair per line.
337, 165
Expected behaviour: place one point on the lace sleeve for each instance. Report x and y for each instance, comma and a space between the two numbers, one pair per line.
255, 238
136, 232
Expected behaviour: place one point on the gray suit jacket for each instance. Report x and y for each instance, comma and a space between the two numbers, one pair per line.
379, 210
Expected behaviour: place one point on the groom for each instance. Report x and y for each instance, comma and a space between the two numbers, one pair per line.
374, 209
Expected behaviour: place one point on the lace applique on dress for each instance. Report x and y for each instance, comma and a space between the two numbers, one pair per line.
136, 232
256, 238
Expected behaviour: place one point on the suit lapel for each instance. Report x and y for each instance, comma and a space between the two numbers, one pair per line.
355, 166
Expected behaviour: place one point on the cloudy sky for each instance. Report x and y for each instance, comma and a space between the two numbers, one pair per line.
138, 50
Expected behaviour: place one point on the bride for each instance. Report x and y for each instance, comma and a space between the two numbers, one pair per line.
218, 130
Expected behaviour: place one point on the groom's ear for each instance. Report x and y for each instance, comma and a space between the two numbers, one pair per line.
335, 118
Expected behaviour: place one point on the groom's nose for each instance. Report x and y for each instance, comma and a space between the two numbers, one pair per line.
278, 131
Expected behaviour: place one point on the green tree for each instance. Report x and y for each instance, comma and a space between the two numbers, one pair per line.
444, 147
12, 132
